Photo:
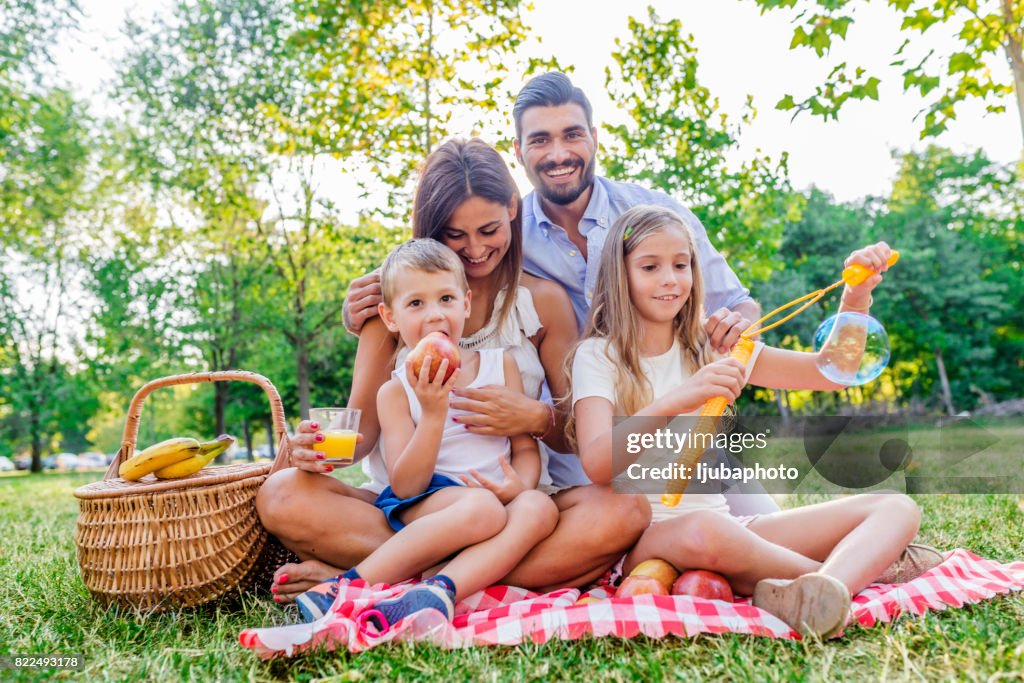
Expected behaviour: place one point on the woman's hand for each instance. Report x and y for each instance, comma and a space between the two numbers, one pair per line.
875, 257
724, 378
506, 491
433, 394
499, 411
304, 448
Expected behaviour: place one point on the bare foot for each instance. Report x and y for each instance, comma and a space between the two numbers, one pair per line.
292, 579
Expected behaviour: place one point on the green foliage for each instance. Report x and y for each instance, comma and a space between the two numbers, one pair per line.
948, 215
988, 31
387, 80
676, 140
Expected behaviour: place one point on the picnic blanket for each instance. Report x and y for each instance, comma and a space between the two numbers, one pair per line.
503, 615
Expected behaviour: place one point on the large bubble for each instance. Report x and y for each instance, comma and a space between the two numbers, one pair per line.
853, 348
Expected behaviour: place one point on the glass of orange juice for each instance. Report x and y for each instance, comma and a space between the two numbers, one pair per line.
339, 427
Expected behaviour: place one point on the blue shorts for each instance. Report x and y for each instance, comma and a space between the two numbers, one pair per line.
392, 505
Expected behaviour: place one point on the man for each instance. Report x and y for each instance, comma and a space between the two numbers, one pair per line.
565, 222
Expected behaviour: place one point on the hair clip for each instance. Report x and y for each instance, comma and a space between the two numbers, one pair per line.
625, 235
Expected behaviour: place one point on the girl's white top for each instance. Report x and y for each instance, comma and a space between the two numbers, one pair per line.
594, 373
512, 336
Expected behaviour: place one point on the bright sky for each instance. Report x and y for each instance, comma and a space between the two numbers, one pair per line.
740, 53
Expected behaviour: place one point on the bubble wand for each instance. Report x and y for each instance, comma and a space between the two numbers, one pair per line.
714, 408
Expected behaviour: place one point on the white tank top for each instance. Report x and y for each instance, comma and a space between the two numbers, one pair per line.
460, 449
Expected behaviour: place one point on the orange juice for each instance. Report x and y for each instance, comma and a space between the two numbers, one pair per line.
339, 446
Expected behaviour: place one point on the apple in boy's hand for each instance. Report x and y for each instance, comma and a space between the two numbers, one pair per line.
640, 585
657, 569
438, 346
701, 583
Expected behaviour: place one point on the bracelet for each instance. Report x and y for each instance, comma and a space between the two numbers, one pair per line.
551, 423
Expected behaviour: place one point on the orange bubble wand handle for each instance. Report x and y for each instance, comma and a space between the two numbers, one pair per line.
703, 431
856, 273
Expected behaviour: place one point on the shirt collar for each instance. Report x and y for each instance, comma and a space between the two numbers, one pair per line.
596, 211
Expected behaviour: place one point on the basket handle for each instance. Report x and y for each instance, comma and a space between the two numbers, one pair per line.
131, 427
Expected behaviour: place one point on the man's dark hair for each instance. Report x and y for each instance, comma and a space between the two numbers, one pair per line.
552, 89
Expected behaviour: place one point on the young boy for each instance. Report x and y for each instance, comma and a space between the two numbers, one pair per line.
494, 520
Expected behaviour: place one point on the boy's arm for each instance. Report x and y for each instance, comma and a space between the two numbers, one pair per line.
410, 450
525, 453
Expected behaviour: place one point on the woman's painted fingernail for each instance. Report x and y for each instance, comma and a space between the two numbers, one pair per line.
330, 468
277, 598
283, 578
314, 425
320, 455
466, 426
454, 420
319, 437
273, 589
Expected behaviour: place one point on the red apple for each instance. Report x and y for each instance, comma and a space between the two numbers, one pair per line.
701, 583
658, 569
437, 345
640, 585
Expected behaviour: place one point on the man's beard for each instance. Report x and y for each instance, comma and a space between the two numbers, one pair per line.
567, 195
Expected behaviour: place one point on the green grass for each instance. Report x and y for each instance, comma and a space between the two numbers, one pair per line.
48, 611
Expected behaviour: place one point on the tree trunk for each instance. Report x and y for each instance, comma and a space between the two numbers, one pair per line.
269, 424
302, 374
1014, 54
947, 396
248, 439
220, 399
782, 401
37, 446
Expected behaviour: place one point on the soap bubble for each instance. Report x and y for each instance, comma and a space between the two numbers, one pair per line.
853, 348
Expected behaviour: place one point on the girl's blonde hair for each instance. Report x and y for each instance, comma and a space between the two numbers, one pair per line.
614, 319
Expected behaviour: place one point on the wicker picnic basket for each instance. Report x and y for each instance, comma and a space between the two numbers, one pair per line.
158, 545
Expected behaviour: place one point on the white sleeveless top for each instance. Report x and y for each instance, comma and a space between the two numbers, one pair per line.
514, 337
460, 449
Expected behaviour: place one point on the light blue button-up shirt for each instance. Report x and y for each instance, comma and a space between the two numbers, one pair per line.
549, 253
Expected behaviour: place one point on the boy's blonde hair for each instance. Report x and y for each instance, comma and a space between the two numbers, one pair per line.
614, 319
427, 255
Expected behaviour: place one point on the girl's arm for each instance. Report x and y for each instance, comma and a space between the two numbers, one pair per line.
410, 450
374, 362
783, 369
598, 434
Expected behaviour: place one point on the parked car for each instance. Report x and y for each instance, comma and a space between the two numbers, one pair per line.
92, 460
263, 452
6, 465
23, 462
49, 462
66, 461
240, 454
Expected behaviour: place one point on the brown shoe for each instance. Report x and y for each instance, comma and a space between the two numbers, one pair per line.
812, 604
915, 560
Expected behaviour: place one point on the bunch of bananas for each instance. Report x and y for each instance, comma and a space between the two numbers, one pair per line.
174, 458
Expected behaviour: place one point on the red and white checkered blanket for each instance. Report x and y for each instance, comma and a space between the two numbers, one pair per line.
504, 615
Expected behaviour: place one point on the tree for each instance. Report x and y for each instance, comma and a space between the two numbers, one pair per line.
947, 305
387, 80
676, 140
984, 29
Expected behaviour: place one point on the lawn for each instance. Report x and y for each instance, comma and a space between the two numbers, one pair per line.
48, 611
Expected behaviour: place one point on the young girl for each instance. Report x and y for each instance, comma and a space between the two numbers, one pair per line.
428, 454
645, 354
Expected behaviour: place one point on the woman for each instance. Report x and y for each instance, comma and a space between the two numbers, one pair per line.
466, 199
